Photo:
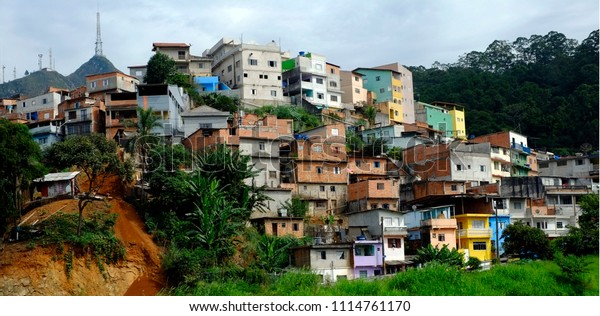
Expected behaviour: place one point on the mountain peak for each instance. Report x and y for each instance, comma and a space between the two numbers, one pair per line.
38, 82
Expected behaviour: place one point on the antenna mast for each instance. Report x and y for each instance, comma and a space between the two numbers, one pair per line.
98, 36
50, 59
40, 61
3, 67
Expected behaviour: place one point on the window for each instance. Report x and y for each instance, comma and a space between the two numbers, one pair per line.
332, 188
385, 206
542, 225
44, 101
245, 75
322, 188
319, 66
278, 77
566, 199
517, 205
380, 186
373, 206
496, 165
319, 80
559, 225
333, 84
337, 170
272, 174
579, 162
237, 64
204, 125
382, 90
333, 98
364, 250
441, 237
295, 227
261, 146
482, 168
355, 78
362, 274
320, 204
272, 63
229, 68
319, 170
453, 187
478, 224
93, 84
253, 62
341, 255
356, 90
273, 93
181, 54
323, 255
378, 78
477, 245
394, 243
376, 164
320, 96
317, 148
253, 91
459, 167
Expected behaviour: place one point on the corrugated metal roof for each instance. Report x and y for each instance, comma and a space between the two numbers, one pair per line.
59, 176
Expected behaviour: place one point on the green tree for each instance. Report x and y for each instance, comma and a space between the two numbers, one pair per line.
93, 155
440, 255
582, 240
20, 163
218, 101
370, 113
526, 242
145, 141
160, 68
296, 206
273, 251
395, 153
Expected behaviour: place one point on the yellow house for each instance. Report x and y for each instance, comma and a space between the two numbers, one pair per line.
473, 235
457, 112
394, 110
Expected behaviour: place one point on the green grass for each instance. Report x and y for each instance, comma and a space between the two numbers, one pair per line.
526, 278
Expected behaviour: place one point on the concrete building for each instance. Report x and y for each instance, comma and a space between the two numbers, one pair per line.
84, 116
333, 262
389, 225
456, 161
305, 80
334, 86
99, 85
368, 258
407, 101
520, 154
41, 108
185, 62
353, 92
121, 116
252, 71
373, 194
316, 164
168, 102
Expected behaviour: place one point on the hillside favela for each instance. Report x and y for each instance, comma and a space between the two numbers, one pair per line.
235, 168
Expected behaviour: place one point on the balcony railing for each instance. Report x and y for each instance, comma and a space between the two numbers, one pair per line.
395, 230
475, 233
439, 223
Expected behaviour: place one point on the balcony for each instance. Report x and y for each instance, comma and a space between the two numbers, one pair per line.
475, 233
439, 223
395, 230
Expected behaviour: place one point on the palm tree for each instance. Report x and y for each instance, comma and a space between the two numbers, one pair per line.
144, 140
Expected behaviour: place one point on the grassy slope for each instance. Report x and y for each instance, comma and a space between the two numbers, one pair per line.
538, 278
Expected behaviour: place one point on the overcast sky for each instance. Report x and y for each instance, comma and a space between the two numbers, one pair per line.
349, 33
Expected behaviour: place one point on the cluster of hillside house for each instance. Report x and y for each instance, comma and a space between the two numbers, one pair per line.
367, 212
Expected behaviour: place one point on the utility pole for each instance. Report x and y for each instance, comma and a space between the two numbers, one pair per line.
497, 240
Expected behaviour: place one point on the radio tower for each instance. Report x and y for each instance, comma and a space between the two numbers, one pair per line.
40, 61
98, 37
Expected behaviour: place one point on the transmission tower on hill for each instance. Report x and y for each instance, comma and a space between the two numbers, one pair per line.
98, 35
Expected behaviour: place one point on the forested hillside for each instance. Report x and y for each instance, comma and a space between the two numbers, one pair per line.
545, 87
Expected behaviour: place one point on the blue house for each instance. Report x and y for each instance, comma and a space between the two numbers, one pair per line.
497, 230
